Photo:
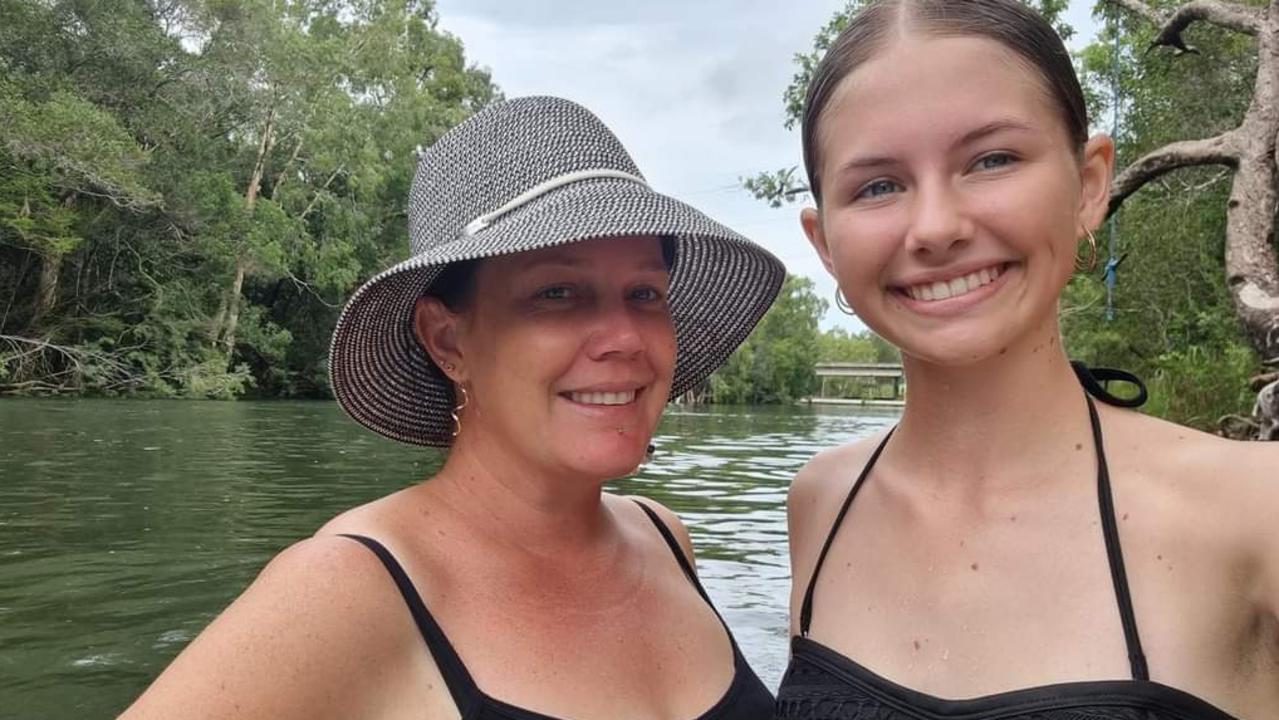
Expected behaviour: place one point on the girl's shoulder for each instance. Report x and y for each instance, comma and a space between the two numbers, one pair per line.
1218, 495
819, 488
1201, 467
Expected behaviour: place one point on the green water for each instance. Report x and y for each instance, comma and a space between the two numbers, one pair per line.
125, 526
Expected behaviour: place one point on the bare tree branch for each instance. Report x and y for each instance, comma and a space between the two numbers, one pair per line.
1240, 18
1220, 150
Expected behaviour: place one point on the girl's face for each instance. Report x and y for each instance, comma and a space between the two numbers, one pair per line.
952, 200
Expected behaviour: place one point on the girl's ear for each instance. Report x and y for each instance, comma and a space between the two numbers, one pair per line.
435, 326
811, 220
1095, 179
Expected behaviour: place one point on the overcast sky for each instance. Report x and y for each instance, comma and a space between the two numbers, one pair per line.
693, 88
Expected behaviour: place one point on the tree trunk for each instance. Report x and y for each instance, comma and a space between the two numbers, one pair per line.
229, 309
215, 328
47, 291
233, 308
1252, 269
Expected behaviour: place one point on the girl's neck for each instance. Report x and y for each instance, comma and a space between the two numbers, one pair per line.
1004, 416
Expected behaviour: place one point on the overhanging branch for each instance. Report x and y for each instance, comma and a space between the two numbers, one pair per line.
1240, 18
1219, 150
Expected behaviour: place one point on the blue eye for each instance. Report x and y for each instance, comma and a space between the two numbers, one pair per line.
878, 188
994, 161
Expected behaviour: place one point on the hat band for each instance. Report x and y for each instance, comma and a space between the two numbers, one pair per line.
540, 189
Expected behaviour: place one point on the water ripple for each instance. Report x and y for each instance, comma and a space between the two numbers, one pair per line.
126, 526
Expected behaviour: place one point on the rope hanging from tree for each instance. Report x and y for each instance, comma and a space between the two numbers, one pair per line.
1110, 271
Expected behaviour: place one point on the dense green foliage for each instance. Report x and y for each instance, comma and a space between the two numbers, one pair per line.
189, 188
1172, 321
776, 363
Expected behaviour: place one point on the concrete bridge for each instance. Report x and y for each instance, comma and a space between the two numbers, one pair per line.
876, 383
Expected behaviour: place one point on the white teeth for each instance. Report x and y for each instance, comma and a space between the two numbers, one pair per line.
929, 292
603, 398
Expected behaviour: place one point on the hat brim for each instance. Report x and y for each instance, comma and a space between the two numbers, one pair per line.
720, 286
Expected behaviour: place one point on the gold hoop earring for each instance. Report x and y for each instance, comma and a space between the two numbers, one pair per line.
1092, 254
842, 304
457, 411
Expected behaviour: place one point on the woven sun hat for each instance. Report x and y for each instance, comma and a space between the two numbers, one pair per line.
520, 175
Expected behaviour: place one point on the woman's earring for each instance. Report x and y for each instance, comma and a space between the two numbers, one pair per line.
842, 304
457, 410
1092, 254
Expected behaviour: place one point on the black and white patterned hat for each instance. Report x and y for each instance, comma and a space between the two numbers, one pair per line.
520, 175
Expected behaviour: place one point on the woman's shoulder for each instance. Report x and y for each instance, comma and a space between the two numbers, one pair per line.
665, 515
310, 622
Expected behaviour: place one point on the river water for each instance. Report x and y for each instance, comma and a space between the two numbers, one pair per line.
125, 526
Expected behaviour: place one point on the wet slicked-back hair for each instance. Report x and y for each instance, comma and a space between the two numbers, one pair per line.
1007, 22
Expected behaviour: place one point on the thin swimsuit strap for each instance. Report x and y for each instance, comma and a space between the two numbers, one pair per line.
1091, 380
466, 694
682, 559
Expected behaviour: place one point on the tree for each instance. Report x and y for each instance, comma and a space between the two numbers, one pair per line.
775, 363
1247, 150
189, 188
839, 345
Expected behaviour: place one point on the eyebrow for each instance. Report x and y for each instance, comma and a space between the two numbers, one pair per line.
990, 128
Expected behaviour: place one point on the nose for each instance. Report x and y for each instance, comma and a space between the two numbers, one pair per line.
616, 333
938, 224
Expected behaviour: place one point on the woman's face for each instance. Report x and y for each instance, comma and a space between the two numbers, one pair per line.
568, 353
952, 199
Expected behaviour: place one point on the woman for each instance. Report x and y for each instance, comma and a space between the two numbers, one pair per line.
1016, 549
552, 305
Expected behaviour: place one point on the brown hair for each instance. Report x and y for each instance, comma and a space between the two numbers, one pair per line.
1007, 22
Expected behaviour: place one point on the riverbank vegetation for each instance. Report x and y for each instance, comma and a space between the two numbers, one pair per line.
189, 188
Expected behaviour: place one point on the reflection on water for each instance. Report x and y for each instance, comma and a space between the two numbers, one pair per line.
125, 526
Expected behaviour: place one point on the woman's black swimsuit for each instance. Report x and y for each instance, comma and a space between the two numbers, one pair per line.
822, 684
746, 698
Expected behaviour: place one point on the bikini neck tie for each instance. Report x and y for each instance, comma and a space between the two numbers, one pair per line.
1092, 379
